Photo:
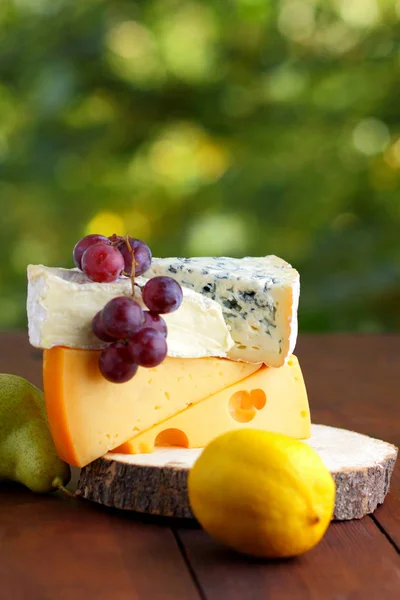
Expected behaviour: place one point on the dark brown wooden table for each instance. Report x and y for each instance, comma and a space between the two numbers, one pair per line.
52, 548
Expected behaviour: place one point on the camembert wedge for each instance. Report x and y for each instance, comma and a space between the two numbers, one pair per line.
62, 303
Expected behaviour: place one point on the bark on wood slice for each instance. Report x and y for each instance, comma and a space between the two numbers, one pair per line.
157, 483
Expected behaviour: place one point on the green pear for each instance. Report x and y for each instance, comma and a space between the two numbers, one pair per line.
27, 452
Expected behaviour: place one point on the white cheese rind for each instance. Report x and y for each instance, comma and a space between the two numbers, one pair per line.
259, 297
61, 304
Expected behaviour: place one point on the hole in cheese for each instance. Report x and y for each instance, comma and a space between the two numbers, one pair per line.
243, 405
172, 437
258, 398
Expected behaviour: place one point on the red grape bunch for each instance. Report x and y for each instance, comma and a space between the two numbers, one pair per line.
136, 337
105, 259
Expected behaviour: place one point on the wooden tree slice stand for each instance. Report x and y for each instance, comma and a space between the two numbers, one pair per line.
156, 483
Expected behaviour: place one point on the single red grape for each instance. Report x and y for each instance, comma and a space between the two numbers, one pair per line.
162, 295
98, 328
122, 317
155, 322
84, 244
148, 347
115, 363
140, 251
102, 262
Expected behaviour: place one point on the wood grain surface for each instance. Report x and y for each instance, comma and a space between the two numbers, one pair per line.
55, 548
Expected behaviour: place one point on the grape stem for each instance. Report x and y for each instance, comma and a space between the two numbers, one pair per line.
133, 266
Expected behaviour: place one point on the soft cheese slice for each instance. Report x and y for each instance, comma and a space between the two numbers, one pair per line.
62, 303
259, 299
88, 416
270, 399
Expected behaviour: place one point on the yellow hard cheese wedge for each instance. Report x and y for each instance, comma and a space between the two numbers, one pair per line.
269, 399
88, 415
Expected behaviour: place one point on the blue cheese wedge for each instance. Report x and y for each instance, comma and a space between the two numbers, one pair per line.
62, 303
259, 298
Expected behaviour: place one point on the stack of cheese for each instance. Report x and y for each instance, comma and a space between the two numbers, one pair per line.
230, 363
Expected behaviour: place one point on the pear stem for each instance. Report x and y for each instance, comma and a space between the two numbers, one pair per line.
69, 494
58, 485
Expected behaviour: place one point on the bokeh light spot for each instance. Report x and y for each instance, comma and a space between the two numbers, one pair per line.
297, 20
212, 160
359, 13
133, 54
371, 136
392, 155
187, 42
284, 84
184, 155
106, 223
336, 38
217, 235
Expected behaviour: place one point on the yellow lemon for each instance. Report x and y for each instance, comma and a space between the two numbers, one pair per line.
263, 494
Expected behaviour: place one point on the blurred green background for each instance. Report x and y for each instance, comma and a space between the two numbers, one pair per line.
235, 127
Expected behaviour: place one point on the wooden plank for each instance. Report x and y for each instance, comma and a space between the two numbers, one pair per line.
353, 561
356, 385
54, 548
